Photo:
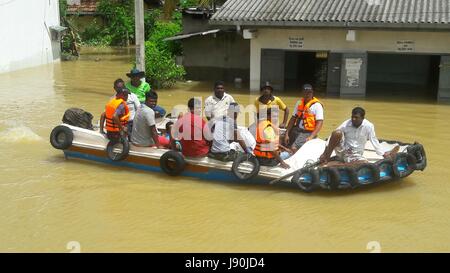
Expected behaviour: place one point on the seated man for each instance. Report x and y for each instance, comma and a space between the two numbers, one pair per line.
132, 103
307, 120
267, 149
349, 140
116, 116
190, 131
144, 127
225, 131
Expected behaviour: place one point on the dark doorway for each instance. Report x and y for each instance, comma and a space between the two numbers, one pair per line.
305, 67
402, 75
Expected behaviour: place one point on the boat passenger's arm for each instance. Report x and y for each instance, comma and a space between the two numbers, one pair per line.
155, 136
291, 123
117, 121
102, 123
283, 164
285, 118
319, 124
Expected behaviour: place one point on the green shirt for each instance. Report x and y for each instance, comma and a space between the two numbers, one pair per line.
139, 91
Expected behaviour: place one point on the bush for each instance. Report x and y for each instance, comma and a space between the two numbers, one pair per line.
164, 30
96, 35
160, 67
119, 20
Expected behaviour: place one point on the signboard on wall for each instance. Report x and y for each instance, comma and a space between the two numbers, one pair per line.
405, 46
353, 68
296, 42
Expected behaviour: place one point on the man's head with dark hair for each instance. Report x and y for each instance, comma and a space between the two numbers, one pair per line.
118, 84
360, 111
358, 114
194, 104
266, 91
219, 89
168, 125
122, 93
151, 99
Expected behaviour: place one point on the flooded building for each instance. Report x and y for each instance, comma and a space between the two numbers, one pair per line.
346, 47
30, 33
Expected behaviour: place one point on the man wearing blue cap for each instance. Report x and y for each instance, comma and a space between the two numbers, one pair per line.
307, 120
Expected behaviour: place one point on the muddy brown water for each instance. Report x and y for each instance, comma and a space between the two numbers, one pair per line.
47, 201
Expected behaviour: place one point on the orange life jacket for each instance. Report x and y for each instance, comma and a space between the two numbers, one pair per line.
303, 113
110, 109
264, 147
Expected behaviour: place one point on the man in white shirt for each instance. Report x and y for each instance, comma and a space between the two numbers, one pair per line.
227, 138
349, 140
216, 106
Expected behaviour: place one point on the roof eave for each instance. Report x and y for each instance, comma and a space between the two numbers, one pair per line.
346, 25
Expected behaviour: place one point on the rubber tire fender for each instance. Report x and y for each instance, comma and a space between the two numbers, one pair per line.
68, 137
418, 152
353, 177
125, 151
180, 163
239, 160
306, 187
383, 162
410, 159
374, 170
333, 175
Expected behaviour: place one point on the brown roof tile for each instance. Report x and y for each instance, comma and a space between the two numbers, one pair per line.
85, 6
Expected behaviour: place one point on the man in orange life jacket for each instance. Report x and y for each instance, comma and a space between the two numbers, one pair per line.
307, 120
267, 149
116, 115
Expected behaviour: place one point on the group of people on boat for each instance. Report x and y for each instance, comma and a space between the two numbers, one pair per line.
133, 111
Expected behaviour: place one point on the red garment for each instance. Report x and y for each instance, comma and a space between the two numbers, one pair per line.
191, 135
164, 141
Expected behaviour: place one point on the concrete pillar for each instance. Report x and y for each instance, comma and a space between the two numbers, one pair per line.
255, 65
444, 79
353, 74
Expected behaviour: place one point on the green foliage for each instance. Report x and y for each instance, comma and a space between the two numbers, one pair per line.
119, 20
162, 30
150, 19
160, 67
184, 4
95, 35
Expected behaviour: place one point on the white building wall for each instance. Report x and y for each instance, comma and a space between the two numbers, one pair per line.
25, 38
335, 40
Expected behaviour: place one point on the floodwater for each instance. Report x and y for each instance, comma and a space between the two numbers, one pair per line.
48, 203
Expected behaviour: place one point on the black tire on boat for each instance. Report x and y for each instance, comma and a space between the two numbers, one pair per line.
386, 166
303, 185
373, 170
333, 177
352, 176
404, 165
61, 137
238, 161
418, 152
172, 163
118, 156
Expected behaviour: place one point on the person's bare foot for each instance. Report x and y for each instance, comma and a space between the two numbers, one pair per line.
391, 154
